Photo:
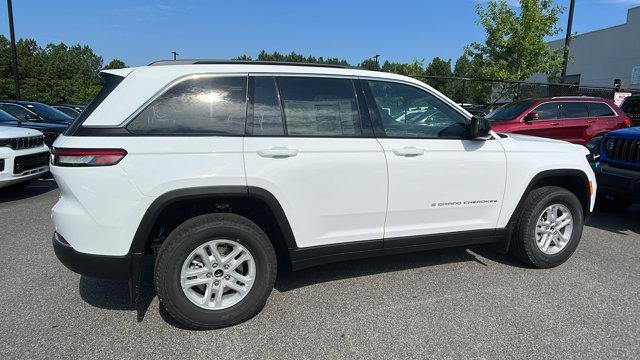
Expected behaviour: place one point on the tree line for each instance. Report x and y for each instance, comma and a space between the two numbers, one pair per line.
515, 49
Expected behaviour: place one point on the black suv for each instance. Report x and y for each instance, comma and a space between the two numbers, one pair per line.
631, 106
34, 115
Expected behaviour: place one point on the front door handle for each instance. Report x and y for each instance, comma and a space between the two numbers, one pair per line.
408, 151
278, 152
590, 121
554, 124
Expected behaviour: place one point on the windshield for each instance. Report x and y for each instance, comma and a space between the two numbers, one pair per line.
631, 106
6, 117
49, 113
510, 111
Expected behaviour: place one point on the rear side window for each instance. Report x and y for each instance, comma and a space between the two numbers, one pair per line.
200, 106
599, 109
267, 115
319, 106
573, 110
548, 111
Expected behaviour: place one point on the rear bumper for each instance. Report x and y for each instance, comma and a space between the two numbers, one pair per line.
100, 266
618, 182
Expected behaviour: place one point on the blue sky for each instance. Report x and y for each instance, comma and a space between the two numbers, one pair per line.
139, 32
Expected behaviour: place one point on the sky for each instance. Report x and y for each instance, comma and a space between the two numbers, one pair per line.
140, 32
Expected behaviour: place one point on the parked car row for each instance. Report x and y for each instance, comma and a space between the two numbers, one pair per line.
50, 120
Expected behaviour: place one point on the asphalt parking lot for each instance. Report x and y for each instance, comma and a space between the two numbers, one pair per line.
453, 303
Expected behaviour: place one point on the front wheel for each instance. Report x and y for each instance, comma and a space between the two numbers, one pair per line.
214, 271
550, 227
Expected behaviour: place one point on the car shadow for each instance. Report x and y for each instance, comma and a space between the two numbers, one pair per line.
617, 222
37, 187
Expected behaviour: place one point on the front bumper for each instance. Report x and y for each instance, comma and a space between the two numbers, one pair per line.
618, 182
100, 266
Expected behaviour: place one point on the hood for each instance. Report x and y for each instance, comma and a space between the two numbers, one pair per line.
9, 132
517, 142
633, 131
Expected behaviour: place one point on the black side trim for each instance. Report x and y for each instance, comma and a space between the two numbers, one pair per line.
111, 81
318, 255
155, 209
100, 266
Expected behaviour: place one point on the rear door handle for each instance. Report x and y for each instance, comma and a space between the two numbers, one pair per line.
408, 151
278, 152
590, 121
554, 124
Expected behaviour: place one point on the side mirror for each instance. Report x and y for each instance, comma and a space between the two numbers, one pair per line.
532, 116
479, 128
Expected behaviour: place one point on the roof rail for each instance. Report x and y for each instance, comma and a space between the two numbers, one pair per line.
243, 62
574, 96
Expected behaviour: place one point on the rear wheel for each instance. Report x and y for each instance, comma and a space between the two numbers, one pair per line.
549, 229
606, 203
215, 270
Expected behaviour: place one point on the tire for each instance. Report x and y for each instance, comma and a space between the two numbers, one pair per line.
525, 243
228, 229
606, 203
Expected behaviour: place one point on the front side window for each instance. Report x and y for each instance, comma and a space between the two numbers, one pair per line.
510, 111
16, 110
409, 112
267, 116
316, 106
202, 106
6, 117
548, 111
600, 109
574, 110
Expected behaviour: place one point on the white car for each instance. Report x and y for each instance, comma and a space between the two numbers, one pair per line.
223, 169
23, 156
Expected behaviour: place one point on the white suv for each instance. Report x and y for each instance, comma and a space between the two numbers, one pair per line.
223, 169
23, 156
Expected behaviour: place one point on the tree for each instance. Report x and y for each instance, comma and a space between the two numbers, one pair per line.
116, 64
440, 67
370, 64
515, 47
414, 68
470, 91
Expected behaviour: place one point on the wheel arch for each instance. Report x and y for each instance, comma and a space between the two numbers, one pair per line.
181, 204
574, 180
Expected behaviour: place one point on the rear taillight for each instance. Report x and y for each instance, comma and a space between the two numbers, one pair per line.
628, 121
87, 157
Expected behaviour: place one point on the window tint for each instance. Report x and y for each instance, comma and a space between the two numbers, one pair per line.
573, 110
548, 111
204, 105
267, 117
319, 106
408, 112
510, 111
599, 109
16, 110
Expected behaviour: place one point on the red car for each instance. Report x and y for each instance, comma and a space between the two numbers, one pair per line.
573, 119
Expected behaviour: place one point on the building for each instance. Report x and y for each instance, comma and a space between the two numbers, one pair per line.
601, 56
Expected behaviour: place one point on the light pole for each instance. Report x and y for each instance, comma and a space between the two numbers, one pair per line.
377, 62
14, 55
567, 41
175, 55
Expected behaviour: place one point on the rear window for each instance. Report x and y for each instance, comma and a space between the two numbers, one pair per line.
600, 109
204, 106
631, 106
510, 111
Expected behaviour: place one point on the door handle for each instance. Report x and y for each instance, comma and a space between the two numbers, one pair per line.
554, 124
278, 152
590, 121
408, 151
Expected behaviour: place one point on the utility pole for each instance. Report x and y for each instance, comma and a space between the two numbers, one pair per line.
567, 41
377, 62
175, 55
14, 54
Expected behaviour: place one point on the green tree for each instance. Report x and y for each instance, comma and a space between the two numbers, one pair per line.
370, 64
116, 64
440, 67
515, 47
470, 91
414, 68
